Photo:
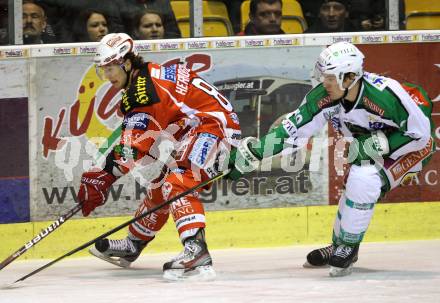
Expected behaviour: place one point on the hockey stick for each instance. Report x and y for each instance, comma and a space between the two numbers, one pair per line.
117, 228
43, 234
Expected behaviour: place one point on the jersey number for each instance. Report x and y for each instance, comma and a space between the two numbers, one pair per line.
213, 92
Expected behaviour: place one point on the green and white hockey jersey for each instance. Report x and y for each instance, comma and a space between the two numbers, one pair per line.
402, 112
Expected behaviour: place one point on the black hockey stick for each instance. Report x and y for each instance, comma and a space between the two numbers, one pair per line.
43, 234
117, 228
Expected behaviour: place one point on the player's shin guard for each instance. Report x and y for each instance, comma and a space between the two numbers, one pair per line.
146, 228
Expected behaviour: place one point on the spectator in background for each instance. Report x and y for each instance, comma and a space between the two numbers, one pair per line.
264, 18
368, 15
333, 17
129, 8
63, 13
148, 25
234, 13
90, 26
4, 22
310, 10
34, 24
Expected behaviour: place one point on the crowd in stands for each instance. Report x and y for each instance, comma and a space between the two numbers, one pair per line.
62, 21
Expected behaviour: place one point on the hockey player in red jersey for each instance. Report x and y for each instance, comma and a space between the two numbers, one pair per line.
161, 102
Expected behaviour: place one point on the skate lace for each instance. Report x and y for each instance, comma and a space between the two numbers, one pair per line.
188, 251
122, 245
326, 252
343, 251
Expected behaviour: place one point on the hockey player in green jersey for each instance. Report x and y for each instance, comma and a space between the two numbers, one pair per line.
391, 133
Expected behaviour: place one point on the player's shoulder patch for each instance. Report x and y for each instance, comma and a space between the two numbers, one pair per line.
140, 93
377, 81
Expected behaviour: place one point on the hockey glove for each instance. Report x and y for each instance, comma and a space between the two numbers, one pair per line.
94, 189
369, 147
242, 160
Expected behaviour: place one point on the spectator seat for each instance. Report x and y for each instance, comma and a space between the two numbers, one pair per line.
422, 14
215, 18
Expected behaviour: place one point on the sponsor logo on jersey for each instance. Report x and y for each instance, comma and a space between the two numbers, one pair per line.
168, 73
290, 128
135, 121
182, 80
181, 208
141, 90
324, 102
373, 106
202, 148
404, 164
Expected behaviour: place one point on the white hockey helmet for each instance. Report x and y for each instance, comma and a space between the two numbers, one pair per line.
339, 59
112, 48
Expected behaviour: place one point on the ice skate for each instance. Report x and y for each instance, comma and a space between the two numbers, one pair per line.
118, 252
193, 263
342, 260
319, 257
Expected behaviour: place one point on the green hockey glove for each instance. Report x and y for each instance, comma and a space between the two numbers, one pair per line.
242, 160
369, 147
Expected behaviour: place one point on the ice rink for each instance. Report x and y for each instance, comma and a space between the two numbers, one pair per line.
386, 272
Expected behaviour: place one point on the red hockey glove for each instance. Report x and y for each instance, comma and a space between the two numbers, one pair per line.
94, 189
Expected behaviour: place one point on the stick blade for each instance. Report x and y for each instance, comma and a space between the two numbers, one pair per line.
13, 285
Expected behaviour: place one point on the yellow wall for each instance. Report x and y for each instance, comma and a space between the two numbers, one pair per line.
238, 228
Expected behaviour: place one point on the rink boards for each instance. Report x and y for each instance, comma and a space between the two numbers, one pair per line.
235, 229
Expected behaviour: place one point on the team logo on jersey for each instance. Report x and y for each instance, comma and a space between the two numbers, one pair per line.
234, 118
167, 187
135, 121
168, 73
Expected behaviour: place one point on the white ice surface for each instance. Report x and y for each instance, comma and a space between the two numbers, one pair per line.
386, 272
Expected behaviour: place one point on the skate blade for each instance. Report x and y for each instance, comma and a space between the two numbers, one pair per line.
340, 272
308, 265
115, 261
201, 273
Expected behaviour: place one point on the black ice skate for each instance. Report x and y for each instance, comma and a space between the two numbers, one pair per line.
193, 263
341, 262
118, 252
321, 256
